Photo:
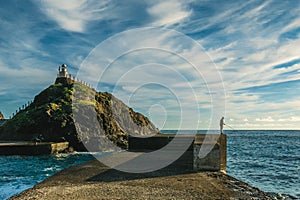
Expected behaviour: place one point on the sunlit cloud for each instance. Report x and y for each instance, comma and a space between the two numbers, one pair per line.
74, 15
165, 13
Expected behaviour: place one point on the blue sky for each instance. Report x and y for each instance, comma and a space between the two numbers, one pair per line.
254, 45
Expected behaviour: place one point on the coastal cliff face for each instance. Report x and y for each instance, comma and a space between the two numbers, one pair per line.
51, 117
1, 116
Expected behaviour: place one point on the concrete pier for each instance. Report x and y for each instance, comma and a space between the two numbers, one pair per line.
203, 153
32, 148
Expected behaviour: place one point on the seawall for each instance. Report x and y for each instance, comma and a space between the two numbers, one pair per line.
202, 152
32, 148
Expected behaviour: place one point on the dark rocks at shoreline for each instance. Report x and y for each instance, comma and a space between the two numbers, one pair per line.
52, 114
279, 196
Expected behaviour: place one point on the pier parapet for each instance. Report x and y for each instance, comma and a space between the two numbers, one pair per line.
212, 148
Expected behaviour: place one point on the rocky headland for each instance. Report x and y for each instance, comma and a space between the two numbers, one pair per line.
50, 117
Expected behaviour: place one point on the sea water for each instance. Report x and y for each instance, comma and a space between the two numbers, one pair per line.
268, 160
18, 173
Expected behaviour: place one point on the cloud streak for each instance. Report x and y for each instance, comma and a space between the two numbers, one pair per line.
74, 15
166, 13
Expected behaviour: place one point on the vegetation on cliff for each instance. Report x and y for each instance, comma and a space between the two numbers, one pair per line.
51, 117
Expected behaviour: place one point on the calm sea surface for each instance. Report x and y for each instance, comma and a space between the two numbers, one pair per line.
268, 160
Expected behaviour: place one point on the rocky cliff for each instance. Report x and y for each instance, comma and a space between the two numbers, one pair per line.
1, 116
98, 115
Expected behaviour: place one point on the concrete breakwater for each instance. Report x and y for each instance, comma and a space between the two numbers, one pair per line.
180, 180
94, 180
201, 152
32, 148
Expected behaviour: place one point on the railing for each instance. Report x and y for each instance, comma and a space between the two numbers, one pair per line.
75, 79
23, 107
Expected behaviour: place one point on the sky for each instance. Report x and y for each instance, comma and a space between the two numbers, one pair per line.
184, 64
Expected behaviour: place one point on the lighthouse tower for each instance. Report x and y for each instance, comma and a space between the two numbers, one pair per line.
62, 71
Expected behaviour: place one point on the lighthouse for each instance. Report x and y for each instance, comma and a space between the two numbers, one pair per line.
62, 71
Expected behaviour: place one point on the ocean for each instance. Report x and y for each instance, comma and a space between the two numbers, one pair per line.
268, 160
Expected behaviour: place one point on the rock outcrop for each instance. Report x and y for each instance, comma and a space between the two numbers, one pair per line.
53, 113
1, 116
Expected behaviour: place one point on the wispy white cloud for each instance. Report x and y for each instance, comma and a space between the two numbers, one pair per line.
249, 58
290, 119
75, 15
267, 119
170, 12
